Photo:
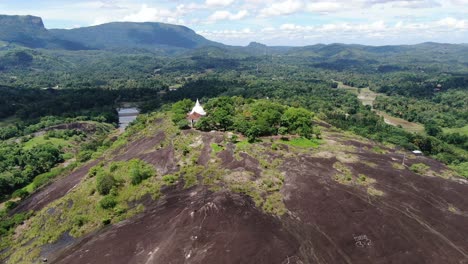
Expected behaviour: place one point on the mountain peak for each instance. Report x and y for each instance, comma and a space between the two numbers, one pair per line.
27, 22
254, 44
25, 30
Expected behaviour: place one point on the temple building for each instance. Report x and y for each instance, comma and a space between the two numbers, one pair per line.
196, 113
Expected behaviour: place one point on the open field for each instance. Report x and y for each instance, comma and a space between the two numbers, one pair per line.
367, 97
406, 125
58, 142
461, 130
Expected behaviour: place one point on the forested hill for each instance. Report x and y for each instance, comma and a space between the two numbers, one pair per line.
29, 31
129, 34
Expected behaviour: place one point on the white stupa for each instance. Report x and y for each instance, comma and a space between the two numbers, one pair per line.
198, 109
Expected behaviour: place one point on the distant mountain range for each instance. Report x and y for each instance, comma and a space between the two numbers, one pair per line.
29, 31
161, 38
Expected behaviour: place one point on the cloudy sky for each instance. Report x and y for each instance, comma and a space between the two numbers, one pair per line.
273, 22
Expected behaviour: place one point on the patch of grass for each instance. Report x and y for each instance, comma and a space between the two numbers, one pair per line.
212, 175
170, 179
241, 145
461, 168
302, 142
346, 157
447, 174
420, 168
249, 189
369, 164
274, 204
378, 150
190, 174
461, 130
398, 166
271, 184
345, 176
374, 192
216, 147
58, 142
364, 180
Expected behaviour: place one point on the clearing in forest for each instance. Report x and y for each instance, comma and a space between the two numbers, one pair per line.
367, 97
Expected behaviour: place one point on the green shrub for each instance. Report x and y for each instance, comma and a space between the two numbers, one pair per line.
8, 224
108, 202
80, 220
183, 124
104, 183
67, 156
119, 210
274, 204
283, 130
185, 150
139, 171
419, 168
106, 221
234, 139
85, 155
461, 168
94, 170
21, 193
113, 167
274, 146
378, 150
362, 177
169, 179
10, 205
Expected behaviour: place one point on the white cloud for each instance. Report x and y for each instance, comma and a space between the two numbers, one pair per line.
226, 15
218, 3
149, 14
452, 23
459, 2
405, 3
245, 34
324, 6
282, 8
377, 32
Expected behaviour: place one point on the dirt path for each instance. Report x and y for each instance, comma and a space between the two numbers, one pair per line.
367, 97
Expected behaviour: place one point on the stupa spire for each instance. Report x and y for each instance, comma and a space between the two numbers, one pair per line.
198, 109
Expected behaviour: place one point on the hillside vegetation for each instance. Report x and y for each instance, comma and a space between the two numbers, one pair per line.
154, 160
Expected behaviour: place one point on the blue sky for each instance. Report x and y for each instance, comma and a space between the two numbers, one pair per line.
273, 22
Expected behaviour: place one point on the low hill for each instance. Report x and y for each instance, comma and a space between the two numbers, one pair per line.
164, 195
